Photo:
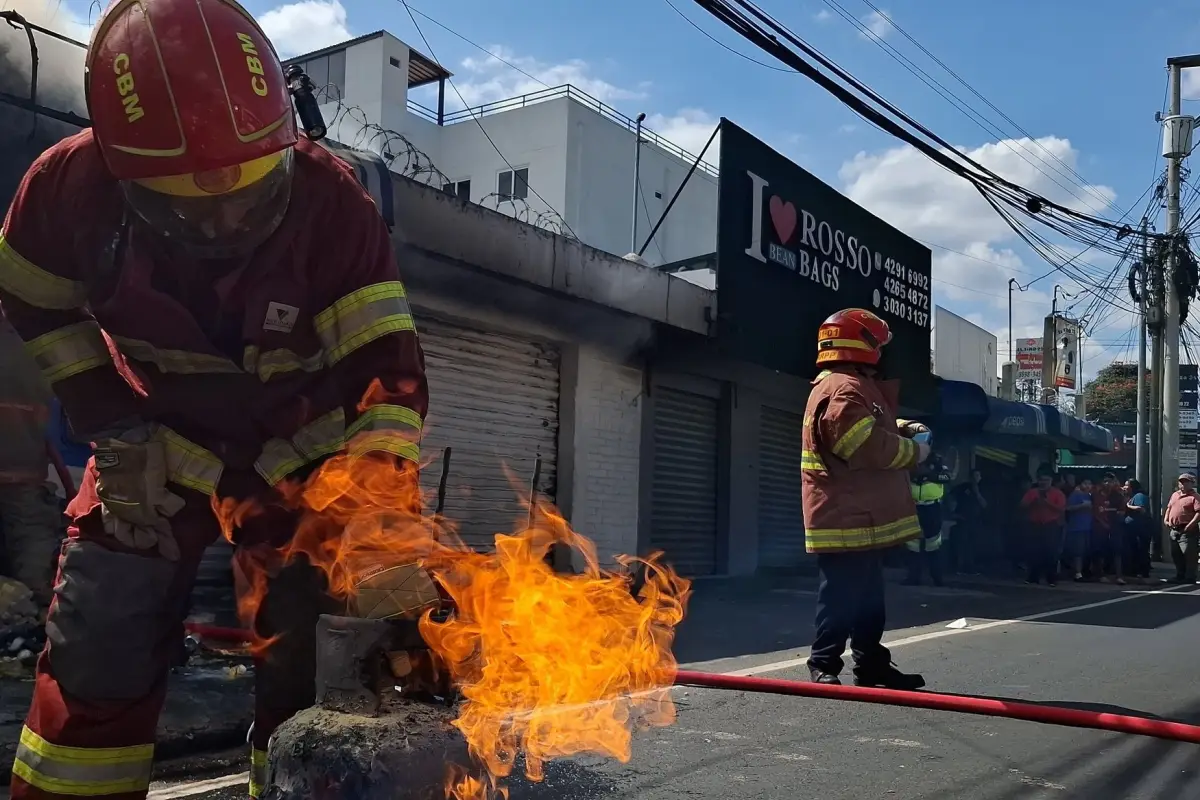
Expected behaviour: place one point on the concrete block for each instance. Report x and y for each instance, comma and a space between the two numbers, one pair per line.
403, 753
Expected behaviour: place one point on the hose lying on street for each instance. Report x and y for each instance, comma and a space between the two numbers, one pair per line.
983, 706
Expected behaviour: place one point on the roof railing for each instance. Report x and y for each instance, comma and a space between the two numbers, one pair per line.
554, 93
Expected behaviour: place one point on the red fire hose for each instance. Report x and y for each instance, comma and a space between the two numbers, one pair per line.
1050, 715
983, 706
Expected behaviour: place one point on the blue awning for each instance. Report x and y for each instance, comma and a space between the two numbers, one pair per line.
1085, 437
1017, 419
1033, 419
962, 406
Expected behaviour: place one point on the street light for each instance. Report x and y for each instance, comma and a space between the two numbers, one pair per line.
1011, 283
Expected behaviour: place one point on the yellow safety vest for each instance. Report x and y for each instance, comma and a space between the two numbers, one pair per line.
923, 493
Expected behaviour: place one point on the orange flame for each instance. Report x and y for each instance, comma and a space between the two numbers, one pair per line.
549, 664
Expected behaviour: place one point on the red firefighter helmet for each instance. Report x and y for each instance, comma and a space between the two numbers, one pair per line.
852, 335
192, 115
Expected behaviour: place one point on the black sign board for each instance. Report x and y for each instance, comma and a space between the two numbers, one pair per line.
791, 251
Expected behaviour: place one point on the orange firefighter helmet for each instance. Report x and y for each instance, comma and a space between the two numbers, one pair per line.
852, 335
192, 114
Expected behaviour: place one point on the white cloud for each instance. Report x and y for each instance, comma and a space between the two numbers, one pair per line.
489, 78
308, 25
823, 15
690, 129
979, 252
878, 25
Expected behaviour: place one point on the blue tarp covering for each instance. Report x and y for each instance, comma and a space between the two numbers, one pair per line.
1018, 419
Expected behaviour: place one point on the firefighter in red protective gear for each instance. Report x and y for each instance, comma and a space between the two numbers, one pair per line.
210, 296
857, 503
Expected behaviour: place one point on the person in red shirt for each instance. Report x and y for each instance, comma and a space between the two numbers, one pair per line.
1183, 518
1108, 532
1044, 508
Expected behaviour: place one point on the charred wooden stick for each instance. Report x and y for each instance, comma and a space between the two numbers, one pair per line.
441, 490
533, 491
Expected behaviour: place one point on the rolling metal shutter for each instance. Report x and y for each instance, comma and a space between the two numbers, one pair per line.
493, 399
684, 507
780, 512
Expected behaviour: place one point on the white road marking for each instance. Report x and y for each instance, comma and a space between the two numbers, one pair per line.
199, 787
793, 663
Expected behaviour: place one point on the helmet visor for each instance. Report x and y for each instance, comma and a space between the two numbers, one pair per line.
220, 212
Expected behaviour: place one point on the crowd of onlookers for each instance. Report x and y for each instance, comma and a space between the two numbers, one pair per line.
1083, 530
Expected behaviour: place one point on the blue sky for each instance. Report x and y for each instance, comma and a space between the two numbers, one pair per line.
1084, 78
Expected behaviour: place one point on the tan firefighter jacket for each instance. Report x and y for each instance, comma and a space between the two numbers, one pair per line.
855, 463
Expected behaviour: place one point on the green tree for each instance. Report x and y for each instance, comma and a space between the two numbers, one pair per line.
1112, 394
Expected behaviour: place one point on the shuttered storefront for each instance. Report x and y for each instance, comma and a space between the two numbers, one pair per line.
493, 399
780, 513
684, 491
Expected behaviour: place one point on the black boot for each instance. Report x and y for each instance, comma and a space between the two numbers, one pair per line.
888, 677
821, 676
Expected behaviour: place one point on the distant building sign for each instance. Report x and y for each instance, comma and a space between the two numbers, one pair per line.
791, 250
1188, 422
1029, 360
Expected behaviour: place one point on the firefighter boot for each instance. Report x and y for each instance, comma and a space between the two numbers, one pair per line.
887, 677
821, 676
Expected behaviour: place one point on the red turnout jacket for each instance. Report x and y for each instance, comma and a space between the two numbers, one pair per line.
252, 367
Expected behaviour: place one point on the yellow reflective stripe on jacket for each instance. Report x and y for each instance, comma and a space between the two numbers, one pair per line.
36, 286
387, 428
82, 771
277, 362
362, 317
810, 461
817, 539
189, 464
321, 437
906, 452
258, 772
854, 438
929, 492
178, 361
69, 351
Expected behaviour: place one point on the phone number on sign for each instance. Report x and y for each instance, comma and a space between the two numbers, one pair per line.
913, 296
905, 311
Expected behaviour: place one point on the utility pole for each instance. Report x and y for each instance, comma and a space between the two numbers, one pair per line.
637, 180
1143, 406
1176, 142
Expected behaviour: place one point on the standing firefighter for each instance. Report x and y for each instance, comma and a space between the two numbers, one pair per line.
857, 502
210, 297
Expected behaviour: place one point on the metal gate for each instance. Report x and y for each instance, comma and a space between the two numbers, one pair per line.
683, 519
493, 399
780, 512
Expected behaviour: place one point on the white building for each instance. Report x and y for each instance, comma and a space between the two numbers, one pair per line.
561, 144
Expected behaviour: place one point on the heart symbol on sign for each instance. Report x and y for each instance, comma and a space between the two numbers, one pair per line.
783, 217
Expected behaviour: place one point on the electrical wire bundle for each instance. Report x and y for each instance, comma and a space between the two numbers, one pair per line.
1014, 203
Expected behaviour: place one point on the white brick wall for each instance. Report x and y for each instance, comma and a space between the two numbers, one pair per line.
608, 425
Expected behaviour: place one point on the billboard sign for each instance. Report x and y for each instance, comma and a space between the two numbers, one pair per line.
1189, 405
1029, 360
791, 251
1066, 353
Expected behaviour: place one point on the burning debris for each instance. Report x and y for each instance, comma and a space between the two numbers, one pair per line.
520, 659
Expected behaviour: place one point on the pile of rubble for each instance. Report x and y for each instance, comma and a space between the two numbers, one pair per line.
22, 631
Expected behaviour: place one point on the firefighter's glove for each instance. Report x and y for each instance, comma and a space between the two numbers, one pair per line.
131, 482
910, 429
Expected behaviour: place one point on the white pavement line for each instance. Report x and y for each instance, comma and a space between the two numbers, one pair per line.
199, 787
792, 663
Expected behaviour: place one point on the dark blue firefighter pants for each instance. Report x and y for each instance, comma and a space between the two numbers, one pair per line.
850, 606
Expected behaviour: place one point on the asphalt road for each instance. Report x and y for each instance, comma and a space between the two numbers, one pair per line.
1131, 650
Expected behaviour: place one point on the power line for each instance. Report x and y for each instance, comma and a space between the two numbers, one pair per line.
952, 73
